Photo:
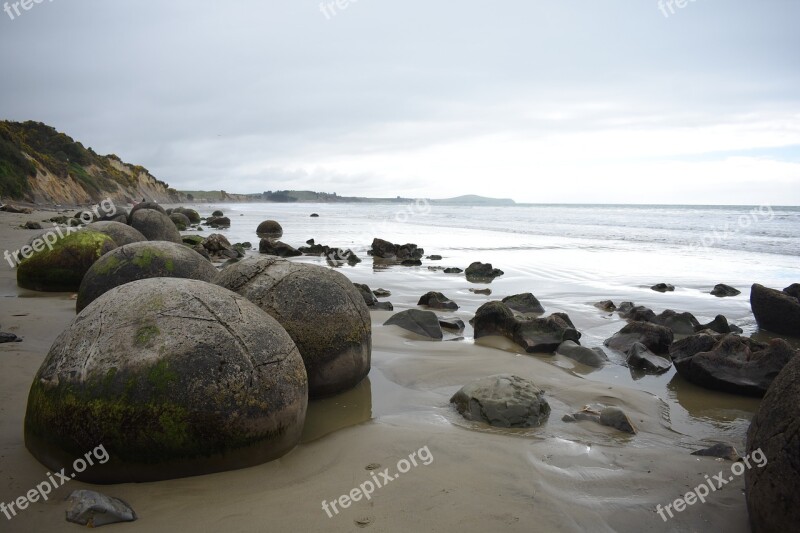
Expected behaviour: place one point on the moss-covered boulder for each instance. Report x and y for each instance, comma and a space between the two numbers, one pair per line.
322, 311
154, 206
180, 220
121, 233
155, 226
142, 260
191, 214
174, 378
62, 267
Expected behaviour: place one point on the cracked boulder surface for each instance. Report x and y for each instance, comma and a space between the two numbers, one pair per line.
322, 311
773, 501
504, 400
142, 260
174, 378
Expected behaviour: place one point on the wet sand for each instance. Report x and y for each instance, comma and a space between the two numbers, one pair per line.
560, 477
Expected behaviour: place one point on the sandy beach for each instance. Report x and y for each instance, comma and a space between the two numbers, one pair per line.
559, 477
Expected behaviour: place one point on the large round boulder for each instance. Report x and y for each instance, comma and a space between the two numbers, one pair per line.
322, 311
174, 378
156, 226
776, 311
773, 447
180, 220
60, 267
153, 206
122, 234
270, 229
191, 214
142, 260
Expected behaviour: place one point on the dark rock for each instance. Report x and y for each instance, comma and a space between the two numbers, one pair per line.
656, 338
616, 418
594, 357
219, 222
314, 215
219, 247
155, 225
487, 292
731, 363
141, 260
122, 234
153, 206
773, 446
382, 293
539, 335
625, 308
247, 245
366, 293
679, 323
606, 305
436, 269
452, 323
16, 209
310, 242
776, 311
383, 306
640, 358
387, 250
663, 287
504, 400
8, 337
793, 290
191, 214
277, 248
722, 291
424, 323
720, 325
720, 451
32, 225
453, 270
524, 303
411, 262
637, 313
180, 220
190, 240
92, 509
271, 229
434, 257
204, 381
322, 311
62, 268
437, 300
217, 213
201, 250
482, 272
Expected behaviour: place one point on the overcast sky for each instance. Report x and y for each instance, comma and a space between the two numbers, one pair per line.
583, 101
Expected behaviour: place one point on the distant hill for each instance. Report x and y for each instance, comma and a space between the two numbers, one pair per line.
42, 165
289, 196
471, 199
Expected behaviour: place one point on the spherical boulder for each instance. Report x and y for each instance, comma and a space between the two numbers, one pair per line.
122, 234
322, 311
180, 220
191, 214
155, 226
61, 267
142, 260
270, 228
174, 378
145, 205
773, 446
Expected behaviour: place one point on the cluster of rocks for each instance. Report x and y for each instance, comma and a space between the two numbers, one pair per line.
332, 255
406, 254
371, 298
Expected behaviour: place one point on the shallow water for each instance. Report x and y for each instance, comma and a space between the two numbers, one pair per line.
569, 257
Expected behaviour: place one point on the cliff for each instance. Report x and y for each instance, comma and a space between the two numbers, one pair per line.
41, 165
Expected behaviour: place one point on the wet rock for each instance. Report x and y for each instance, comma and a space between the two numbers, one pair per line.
731, 363
656, 338
424, 323
387, 250
524, 303
191, 214
217, 213
32, 225
503, 400
277, 248
141, 260
219, 247
122, 234
383, 306
437, 300
155, 225
322, 311
663, 287
92, 509
538, 335
793, 290
204, 381
773, 445
270, 229
8, 337
614, 417
679, 323
453, 270
720, 451
411, 262
434, 257
180, 220
218, 222
640, 358
636, 313
487, 292
594, 357
776, 311
452, 323
625, 308
382, 293
366, 293
606, 305
314, 215
8, 208
723, 291
62, 268
720, 325
482, 272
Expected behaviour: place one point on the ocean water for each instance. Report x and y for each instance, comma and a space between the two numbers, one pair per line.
569, 257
